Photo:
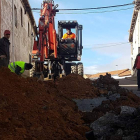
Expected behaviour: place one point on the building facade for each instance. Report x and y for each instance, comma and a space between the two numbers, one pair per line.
16, 16
134, 34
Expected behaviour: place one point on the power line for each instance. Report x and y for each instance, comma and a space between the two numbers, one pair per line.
116, 43
95, 8
99, 12
100, 7
94, 12
105, 46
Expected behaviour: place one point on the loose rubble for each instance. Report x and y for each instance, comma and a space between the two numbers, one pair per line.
123, 97
106, 85
124, 126
118, 118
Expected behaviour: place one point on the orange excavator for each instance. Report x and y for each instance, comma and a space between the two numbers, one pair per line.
51, 56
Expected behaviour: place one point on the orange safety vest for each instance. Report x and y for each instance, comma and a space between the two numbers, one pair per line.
70, 36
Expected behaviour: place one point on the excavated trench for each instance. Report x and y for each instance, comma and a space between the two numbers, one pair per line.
33, 110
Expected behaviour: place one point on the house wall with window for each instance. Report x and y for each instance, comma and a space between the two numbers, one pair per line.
134, 36
16, 16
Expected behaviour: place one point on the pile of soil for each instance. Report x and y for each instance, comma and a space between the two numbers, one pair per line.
106, 85
76, 87
127, 98
123, 126
102, 81
31, 110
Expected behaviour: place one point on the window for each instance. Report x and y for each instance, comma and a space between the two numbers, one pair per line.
21, 17
15, 14
28, 29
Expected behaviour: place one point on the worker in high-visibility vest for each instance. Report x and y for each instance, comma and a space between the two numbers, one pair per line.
19, 67
68, 35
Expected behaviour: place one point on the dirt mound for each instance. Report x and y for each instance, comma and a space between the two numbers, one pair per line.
106, 85
31, 110
75, 86
127, 98
123, 126
106, 80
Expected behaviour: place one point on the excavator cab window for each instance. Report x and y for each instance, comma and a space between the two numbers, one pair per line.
73, 30
68, 36
69, 48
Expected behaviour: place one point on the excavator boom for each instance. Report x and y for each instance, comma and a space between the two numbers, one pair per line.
49, 55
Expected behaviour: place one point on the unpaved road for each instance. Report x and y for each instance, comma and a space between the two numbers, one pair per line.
130, 84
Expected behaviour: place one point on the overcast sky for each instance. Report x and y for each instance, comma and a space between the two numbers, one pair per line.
105, 35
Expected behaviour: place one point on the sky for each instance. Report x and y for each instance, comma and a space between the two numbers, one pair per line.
105, 35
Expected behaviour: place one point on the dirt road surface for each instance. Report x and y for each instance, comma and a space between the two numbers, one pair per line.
130, 84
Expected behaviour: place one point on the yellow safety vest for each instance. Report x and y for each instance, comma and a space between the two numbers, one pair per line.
69, 36
12, 66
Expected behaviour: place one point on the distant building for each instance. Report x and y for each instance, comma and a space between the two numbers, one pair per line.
86, 76
134, 34
119, 74
16, 16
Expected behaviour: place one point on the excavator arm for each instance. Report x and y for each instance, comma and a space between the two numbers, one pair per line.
49, 55
47, 41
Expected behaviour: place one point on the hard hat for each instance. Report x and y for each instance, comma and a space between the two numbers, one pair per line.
6, 32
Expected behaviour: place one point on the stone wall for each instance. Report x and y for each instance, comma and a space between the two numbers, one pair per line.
22, 31
21, 38
6, 19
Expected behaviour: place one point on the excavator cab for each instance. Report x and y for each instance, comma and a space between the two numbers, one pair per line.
70, 49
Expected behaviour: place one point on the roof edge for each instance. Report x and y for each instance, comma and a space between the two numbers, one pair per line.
27, 8
134, 19
133, 23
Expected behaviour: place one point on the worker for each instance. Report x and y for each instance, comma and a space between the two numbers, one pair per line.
137, 66
4, 49
68, 35
19, 67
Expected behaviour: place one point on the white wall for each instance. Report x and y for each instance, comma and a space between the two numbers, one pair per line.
136, 40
